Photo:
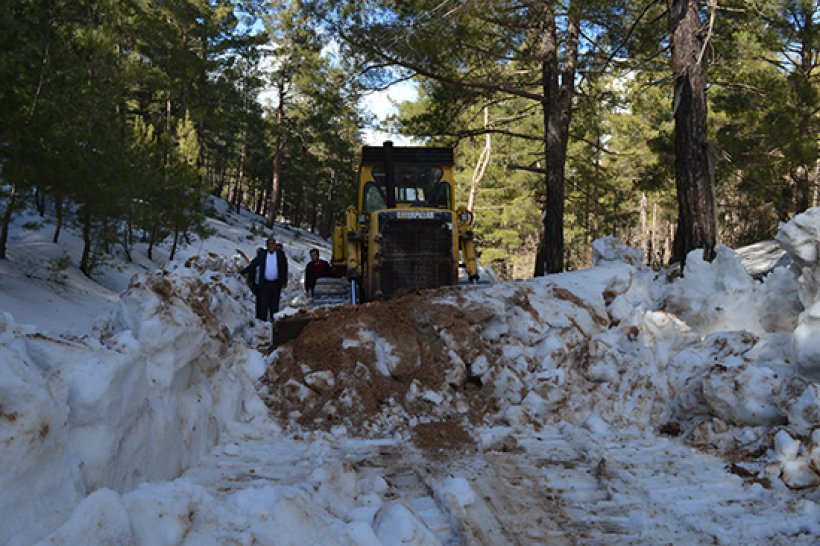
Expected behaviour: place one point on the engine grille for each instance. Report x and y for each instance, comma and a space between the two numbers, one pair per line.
416, 252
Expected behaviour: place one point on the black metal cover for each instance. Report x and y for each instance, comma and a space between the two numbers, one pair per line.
416, 250
409, 154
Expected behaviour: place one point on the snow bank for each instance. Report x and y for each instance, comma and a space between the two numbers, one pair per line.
720, 360
334, 506
800, 238
141, 399
706, 356
715, 296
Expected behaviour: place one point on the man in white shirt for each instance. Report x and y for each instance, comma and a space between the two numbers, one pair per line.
268, 275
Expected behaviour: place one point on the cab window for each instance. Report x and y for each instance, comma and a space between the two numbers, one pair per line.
374, 198
418, 186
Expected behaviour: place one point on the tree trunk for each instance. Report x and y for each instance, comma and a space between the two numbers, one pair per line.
800, 176
260, 202
806, 129
40, 201
241, 178
169, 131
174, 246
85, 260
653, 241
697, 222
58, 211
481, 164
152, 240
551, 246
644, 237
236, 196
557, 109
219, 172
281, 209
276, 181
596, 195
4, 229
128, 235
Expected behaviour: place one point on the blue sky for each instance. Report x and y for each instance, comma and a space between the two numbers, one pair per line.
382, 104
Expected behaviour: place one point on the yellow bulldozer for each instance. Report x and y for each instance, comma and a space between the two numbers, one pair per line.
404, 232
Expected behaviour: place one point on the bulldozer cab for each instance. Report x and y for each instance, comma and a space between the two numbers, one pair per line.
415, 187
422, 177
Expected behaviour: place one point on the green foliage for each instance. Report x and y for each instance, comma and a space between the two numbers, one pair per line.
57, 267
619, 172
319, 134
506, 210
765, 103
126, 113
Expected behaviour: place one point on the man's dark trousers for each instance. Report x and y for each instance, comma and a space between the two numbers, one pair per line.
267, 301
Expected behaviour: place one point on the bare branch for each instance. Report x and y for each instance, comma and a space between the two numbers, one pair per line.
529, 169
423, 71
469, 133
620, 46
708, 39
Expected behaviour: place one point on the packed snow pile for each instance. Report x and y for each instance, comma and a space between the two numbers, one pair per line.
439, 355
142, 398
166, 425
715, 357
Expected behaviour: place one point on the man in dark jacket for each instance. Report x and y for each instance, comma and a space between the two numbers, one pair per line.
314, 269
268, 275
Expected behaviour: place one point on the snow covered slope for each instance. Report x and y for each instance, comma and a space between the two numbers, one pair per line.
37, 290
602, 406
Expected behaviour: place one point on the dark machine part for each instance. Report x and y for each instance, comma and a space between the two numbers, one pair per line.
389, 175
416, 252
374, 155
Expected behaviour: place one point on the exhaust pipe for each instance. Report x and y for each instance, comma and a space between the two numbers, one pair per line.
389, 175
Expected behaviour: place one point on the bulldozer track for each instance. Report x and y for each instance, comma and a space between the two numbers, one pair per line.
569, 490
562, 488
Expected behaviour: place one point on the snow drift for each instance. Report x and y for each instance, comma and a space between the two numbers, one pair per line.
721, 361
141, 398
710, 357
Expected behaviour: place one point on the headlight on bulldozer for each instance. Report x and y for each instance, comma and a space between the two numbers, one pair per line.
362, 218
465, 217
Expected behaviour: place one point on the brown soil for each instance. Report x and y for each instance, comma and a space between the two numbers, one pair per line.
440, 437
359, 396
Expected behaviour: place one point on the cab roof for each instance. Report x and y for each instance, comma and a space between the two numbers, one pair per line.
415, 155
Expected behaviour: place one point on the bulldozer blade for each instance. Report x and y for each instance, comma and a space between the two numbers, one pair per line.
331, 291
288, 328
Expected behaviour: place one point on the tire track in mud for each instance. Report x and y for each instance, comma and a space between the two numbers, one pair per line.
520, 498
